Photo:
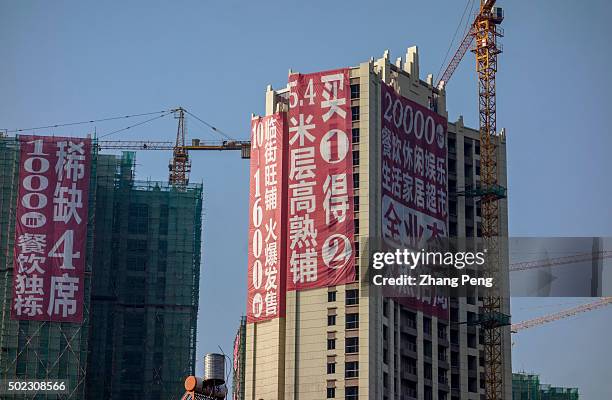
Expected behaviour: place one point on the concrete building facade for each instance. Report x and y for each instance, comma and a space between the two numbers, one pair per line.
348, 341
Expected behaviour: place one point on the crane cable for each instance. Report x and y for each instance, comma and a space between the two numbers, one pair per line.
159, 114
86, 122
467, 24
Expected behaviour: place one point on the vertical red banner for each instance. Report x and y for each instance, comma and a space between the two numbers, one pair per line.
51, 229
320, 234
414, 184
267, 219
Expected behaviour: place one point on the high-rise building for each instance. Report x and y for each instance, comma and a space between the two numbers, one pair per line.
144, 297
347, 341
138, 333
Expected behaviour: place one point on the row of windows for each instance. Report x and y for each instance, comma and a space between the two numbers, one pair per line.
351, 297
352, 320
351, 369
350, 393
351, 345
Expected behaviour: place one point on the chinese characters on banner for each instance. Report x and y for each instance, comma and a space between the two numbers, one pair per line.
413, 181
51, 229
320, 192
267, 219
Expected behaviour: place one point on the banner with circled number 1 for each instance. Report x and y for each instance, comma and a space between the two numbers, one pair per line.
320, 249
267, 219
51, 228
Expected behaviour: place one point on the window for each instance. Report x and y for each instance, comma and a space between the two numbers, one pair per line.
454, 336
427, 348
355, 158
441, 331
427, 371
352, 297
331, 296
355, 113
355, 181
351, 369
427, 325
442, 376
351, 393
441, 353
355, 133
355, 91
352, 321
331, 344
331, 320
352, 345
356, 203
472, 362
331, 392
331, 367
471, 340
454, 359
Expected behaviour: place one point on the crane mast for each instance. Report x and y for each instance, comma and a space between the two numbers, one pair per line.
180, 166
485, 31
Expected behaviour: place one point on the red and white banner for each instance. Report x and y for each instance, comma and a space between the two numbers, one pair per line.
414, 171
413, 184
267, 219
51, 229
320, 193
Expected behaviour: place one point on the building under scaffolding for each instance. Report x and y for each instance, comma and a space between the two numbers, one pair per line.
138, 335
33, 349
528, 387
145, 285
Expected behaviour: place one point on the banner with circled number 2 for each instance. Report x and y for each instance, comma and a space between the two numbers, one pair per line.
320, 249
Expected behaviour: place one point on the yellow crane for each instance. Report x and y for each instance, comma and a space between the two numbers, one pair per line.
484, 32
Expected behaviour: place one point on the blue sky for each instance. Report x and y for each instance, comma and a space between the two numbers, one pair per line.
65, 61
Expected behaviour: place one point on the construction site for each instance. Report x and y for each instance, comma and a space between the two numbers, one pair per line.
101, 269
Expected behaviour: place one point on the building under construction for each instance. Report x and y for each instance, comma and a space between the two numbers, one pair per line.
140, 306
144, 297
528, 387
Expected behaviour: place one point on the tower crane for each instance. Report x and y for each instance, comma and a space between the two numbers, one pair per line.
570, 312
484, 31
180, 165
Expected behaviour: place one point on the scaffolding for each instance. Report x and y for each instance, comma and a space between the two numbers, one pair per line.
39, 349
528, 387
138, 335
145, 284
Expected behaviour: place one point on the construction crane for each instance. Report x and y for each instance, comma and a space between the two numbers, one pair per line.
484, 31
576, 258
180, 165
570, 312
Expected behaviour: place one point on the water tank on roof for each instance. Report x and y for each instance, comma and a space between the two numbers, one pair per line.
214, 368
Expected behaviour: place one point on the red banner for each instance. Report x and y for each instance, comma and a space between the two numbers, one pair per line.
51, 229
267, 216
414, 172
414, 184
320, 192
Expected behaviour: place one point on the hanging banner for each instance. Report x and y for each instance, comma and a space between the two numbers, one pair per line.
320, 193
413, 183
414, 171
51, 229
267, 219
